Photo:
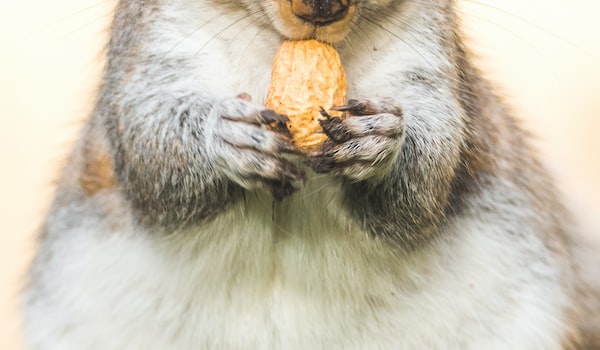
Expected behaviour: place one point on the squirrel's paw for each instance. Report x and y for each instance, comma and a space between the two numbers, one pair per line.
364, 143
247, 144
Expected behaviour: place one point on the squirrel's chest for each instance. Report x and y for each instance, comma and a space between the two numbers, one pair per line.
269, 275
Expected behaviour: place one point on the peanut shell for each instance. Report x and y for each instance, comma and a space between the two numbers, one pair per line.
307, 75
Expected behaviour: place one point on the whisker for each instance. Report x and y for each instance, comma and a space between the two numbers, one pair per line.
243, 28
217, 34
189, 35
364, 40
260, 30
532, 24
78, 30
53, 23
391, 33
511, 32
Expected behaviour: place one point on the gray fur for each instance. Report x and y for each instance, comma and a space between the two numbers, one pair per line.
189, 154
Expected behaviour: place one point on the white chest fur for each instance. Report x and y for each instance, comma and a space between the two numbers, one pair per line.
299, 277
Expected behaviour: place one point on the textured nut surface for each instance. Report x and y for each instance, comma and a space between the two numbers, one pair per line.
307, 75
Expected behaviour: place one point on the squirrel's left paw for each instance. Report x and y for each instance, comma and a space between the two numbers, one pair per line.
364, 143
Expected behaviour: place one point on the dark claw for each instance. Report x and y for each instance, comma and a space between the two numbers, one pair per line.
335, 129
324, 113
353, 106
358, 108
270, 116
276, 121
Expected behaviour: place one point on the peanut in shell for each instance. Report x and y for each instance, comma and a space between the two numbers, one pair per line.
307, 75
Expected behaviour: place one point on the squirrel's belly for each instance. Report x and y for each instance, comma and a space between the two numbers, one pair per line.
259, 276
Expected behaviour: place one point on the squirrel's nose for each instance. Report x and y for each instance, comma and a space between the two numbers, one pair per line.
320, 12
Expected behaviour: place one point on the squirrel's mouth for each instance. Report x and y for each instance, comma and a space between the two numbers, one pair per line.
324, 20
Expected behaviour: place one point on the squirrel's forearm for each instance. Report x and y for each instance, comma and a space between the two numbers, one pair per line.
411, 200
158, 139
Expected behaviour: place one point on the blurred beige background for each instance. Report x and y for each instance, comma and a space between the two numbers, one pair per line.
543, 54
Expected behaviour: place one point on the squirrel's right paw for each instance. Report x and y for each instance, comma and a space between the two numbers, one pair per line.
247, 142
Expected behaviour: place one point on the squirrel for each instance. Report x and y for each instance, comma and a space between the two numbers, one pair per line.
426, 221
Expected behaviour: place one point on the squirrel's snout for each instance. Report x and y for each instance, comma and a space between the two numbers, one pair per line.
320, 12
